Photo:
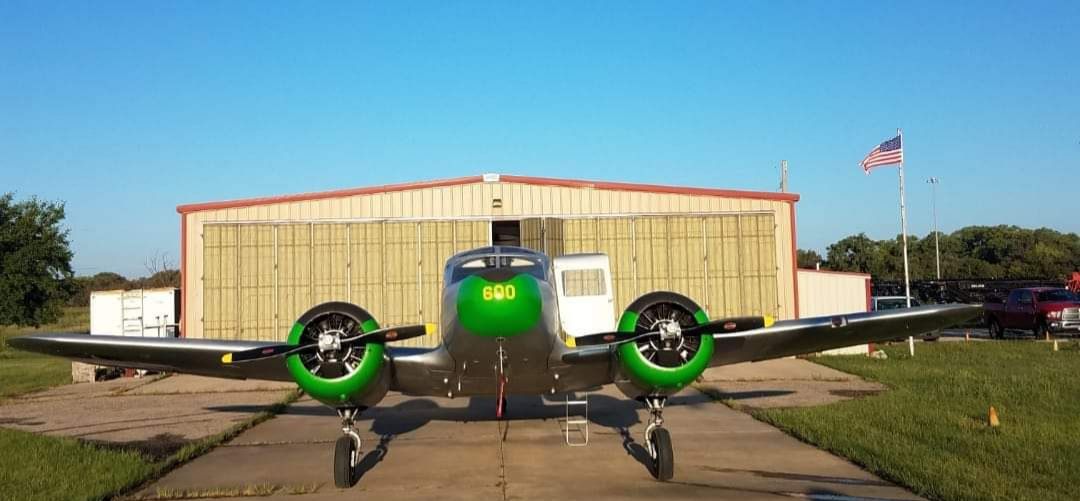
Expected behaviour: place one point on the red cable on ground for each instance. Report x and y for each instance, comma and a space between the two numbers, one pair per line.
501, 396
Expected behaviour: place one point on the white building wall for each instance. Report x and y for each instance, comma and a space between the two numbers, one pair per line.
824, 293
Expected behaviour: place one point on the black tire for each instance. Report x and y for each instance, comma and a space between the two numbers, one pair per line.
344, 476
1041, 330
664, 462
995, 329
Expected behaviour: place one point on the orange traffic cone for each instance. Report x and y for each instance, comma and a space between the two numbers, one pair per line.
993, 418
967, 335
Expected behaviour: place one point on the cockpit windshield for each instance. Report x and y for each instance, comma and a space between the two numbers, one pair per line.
514, 264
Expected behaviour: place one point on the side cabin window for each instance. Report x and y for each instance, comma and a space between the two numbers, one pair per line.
583, 282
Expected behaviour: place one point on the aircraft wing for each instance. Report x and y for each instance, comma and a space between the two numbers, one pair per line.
191, 356
811, 335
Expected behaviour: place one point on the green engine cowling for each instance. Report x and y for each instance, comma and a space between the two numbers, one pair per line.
362, 387
646, 377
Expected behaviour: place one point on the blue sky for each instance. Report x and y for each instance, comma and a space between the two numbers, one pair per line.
125, 110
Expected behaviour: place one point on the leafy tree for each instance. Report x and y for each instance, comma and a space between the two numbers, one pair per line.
1002, 252
807, 259
35, 261
103, 281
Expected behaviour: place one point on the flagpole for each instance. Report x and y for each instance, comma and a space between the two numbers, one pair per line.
903, 233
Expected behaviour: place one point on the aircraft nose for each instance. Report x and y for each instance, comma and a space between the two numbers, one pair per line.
499, 304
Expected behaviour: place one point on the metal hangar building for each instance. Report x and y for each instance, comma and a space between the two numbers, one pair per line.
251, 267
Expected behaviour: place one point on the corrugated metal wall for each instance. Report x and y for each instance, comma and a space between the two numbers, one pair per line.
392, 269
824, 293
250, 271
673, 253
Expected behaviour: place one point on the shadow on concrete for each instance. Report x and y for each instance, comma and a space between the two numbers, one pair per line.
744, 395
156, 448
618, 414
803, 477
811, 494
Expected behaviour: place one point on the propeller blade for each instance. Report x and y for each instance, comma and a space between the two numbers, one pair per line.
729, 325
720, 326
390, 334
277, 350
283, 350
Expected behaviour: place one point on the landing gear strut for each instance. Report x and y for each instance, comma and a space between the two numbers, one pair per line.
348, 448
658, 440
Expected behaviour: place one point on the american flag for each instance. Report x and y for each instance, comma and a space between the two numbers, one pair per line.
889, 152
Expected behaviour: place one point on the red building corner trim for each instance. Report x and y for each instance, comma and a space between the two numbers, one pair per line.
183, 274
794, 258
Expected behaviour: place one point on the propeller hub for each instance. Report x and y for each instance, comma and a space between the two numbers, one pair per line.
670, 330
329, 341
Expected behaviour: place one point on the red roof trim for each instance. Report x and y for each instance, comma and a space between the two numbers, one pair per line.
541, 181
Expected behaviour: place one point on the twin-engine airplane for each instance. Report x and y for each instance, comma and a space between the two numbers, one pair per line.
500, 325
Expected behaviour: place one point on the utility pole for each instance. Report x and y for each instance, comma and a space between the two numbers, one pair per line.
783, 176
933, 203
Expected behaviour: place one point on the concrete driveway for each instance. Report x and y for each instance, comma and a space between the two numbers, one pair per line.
156, 415
423, 448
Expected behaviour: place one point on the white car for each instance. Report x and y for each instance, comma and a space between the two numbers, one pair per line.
879, 303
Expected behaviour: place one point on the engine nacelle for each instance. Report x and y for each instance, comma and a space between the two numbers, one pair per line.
355, 376
654, 366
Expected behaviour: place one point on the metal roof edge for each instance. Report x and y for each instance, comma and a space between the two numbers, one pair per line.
542, 181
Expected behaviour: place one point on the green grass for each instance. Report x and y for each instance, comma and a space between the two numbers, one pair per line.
36, 467
22, 372
929, 431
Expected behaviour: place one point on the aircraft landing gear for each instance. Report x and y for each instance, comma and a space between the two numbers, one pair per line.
658, 440
347, 449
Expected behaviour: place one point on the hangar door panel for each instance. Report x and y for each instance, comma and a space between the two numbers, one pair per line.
402, 286
219, 282
366, 271
742, 278
329, 262
256, 263
532, 234
294, 291
670, 255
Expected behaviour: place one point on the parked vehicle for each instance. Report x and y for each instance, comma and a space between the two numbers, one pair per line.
1041, 310
879, 303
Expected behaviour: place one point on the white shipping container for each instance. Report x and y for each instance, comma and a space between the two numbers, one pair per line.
141, 313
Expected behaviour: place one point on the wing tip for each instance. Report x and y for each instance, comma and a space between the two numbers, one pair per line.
429, 329
769, 320
226, 358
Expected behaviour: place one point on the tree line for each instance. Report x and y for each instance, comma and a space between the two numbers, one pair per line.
36, 279
976, 252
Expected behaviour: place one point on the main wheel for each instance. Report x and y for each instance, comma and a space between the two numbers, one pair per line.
664, 459
995, 329
344, 450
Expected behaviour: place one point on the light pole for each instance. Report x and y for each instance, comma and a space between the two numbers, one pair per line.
933, 203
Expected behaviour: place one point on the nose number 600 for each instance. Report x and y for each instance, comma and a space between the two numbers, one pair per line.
499, 292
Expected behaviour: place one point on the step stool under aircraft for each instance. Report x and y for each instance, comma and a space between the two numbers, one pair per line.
500, 324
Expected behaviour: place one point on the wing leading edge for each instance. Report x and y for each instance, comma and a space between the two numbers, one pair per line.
191, 356
796, 337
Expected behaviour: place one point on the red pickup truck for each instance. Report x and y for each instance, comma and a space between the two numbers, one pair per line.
1041, 310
